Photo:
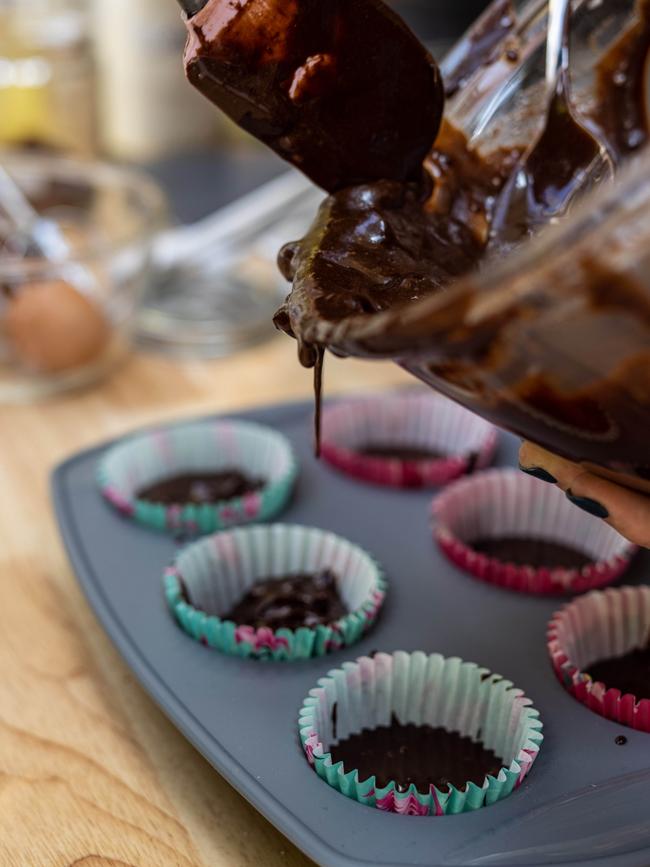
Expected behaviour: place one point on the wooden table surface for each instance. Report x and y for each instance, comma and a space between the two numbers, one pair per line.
91, 773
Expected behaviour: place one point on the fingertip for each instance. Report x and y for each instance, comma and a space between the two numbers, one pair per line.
588, 504
627, 511
539, 473
546, 466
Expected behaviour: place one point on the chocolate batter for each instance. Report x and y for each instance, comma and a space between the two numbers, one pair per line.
416, 754
201, 488
532, 552
629, 673
386, 244
290, 602
399, 453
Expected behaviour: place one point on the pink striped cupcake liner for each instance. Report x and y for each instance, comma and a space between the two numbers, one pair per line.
425, 422
598, 626
502, 504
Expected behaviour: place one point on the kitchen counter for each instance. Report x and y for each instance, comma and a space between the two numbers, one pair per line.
91, 772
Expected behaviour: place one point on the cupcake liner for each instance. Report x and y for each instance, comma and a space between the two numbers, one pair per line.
425, 421
216, 572
421, 689
598, 626
501, 503
146, 458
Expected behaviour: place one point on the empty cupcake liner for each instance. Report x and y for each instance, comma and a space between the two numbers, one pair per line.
146, 458
501, 503
422, 421
421, 689
595, 627
210, 576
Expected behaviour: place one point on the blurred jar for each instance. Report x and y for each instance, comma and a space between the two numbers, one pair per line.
147, 109
65, 323
47, 82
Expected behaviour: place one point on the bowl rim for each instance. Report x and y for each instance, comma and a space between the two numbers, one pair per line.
97, 174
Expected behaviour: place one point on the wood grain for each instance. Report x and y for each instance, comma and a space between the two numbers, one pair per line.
91, 773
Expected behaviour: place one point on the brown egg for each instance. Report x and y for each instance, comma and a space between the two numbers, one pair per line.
51, 327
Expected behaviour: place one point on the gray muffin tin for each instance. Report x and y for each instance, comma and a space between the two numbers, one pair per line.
587, 799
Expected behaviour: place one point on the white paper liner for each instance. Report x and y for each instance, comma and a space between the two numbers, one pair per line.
508, 503
595, 627
421, 689
219, 570
255, 449
411, 420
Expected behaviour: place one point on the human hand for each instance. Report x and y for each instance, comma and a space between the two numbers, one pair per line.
626, 510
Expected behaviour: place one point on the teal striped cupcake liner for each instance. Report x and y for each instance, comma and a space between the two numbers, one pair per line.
144, 459
424, 690
209, 577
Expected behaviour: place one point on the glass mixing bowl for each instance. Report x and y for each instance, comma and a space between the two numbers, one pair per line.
65, 323
553, 342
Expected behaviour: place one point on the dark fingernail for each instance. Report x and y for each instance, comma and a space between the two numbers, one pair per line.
588, 505
539, 473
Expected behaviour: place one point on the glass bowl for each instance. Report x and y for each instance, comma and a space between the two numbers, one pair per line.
552, 342
64, 323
